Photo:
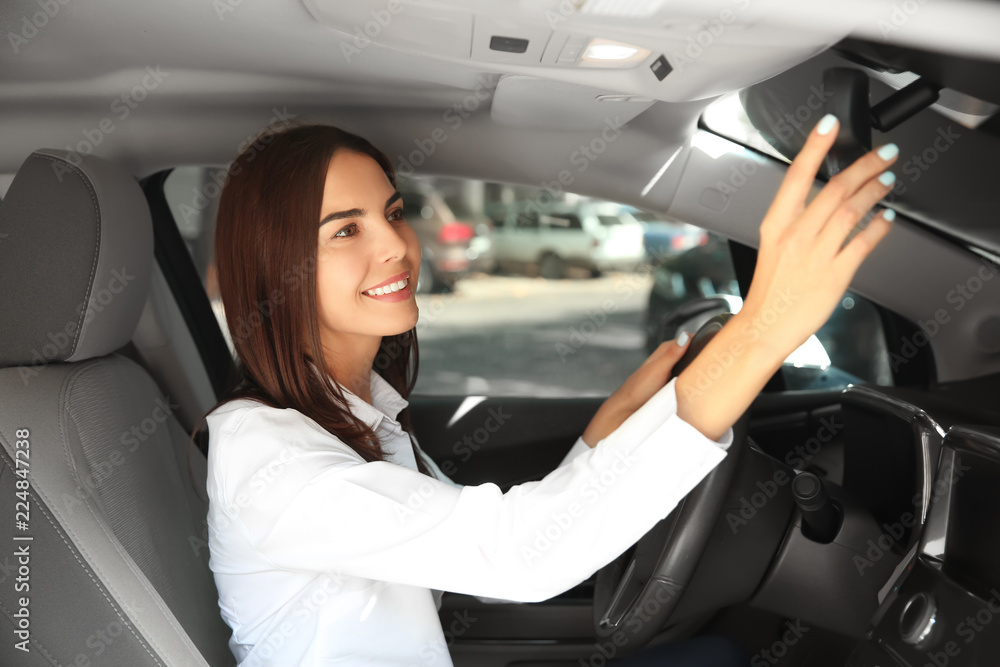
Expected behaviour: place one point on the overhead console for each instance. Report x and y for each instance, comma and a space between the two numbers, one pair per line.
630, 53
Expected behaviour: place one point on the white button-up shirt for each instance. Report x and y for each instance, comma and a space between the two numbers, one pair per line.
322, 558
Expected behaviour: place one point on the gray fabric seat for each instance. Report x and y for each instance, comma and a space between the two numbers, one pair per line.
117, 562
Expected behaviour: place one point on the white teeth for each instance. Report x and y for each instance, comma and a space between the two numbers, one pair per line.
390, 288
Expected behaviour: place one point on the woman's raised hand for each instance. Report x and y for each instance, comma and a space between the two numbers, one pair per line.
802, 272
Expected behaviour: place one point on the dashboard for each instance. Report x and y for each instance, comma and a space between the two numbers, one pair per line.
912, 570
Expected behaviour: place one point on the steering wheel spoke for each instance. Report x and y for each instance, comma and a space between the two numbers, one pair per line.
626, 590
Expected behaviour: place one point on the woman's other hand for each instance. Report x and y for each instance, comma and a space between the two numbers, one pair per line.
648, 379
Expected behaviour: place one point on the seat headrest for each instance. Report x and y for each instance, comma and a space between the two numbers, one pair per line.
76, 249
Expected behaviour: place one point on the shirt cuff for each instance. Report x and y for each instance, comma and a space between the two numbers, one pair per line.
579, 447
723, 443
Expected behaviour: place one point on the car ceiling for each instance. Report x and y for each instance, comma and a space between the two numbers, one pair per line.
230, 63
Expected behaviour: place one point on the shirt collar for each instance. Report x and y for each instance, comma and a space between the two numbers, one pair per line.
386, 401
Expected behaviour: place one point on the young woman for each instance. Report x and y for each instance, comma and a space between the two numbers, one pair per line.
331, 533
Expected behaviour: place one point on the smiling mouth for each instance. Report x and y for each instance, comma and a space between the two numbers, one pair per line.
389, 289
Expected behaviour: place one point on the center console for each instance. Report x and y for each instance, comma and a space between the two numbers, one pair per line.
944, 609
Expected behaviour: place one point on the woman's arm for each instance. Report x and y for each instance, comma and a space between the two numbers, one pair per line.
319, 508
656, 410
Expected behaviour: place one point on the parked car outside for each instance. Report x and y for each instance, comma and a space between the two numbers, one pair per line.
482, 258
663, 237
550, 240
445, 242
465, 198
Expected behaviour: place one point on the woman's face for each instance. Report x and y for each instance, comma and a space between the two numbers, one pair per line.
366, 247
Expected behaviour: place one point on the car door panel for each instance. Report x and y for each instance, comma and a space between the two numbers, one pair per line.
502, 440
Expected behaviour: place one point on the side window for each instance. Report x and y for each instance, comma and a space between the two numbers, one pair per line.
509, 331
561, 221
682, 277
494, 326
513, 332
527, 220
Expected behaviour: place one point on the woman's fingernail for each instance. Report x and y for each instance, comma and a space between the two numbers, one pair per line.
826, 124
683, 339
887, 178
889, 214
888, 151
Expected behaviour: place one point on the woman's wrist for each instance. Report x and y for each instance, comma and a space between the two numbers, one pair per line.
604, 421
724, 379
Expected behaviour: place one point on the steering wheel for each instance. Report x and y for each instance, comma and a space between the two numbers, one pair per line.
636, 593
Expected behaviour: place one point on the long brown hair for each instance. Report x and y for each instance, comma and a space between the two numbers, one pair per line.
265, 255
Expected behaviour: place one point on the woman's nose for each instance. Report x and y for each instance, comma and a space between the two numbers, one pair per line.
392, 245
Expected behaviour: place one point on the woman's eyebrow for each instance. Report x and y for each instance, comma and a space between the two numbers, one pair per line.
357, 212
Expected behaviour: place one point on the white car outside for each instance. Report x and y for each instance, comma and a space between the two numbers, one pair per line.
596, 236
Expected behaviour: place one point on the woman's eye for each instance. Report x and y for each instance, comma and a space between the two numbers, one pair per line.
397, 215
348, 231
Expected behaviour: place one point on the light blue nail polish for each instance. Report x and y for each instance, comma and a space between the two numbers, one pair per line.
682, 339
888, 151
887, 178
889, 214
826, 123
